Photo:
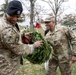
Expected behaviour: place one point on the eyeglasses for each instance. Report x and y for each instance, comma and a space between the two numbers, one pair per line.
48, 22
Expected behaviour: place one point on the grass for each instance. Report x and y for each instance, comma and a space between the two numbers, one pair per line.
74, 69
34, 69
31, 69
21, 27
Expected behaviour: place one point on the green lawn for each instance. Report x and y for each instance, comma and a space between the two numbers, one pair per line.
34, 69
31, 69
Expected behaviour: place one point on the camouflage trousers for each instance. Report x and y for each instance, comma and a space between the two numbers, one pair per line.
65, 67
8, 67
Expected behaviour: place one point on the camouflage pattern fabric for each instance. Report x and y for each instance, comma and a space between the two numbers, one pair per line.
62, 50
11, 48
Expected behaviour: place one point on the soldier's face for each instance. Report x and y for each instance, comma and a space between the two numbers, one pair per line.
49, 25
13, 19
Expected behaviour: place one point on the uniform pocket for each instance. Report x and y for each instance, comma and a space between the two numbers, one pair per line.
63, 58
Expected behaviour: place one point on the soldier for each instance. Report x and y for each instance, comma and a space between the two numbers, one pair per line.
11, 48
61, 40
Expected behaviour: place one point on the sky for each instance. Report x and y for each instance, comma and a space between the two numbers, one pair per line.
70, 6
70, 3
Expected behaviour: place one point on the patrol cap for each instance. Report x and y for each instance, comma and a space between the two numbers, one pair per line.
14, 8
49, 18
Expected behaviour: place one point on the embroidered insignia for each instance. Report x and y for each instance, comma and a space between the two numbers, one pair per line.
18, 12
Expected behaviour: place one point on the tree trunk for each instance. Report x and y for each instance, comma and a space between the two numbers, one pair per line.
31, 14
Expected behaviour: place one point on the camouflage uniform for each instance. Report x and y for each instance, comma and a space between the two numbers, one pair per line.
62, 53
11, 49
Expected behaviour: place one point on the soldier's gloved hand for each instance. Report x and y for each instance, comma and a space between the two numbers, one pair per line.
38, 43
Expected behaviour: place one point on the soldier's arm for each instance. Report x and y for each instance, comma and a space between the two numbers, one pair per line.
72, 39
8, 40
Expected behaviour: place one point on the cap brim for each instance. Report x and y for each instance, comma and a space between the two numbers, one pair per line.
46, 21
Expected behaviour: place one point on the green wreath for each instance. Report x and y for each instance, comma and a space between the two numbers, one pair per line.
41, 54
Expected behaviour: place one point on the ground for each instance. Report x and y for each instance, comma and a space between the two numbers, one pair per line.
35, 69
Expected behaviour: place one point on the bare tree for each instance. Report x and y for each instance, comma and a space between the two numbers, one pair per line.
55, 6
37, 11
32, 4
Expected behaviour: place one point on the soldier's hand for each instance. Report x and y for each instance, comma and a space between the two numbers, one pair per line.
38, 43
73, 59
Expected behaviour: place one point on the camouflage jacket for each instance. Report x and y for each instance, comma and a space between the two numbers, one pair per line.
61, 40
11, 48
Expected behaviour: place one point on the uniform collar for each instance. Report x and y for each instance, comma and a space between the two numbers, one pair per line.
55, 30
4, 17
15, 26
